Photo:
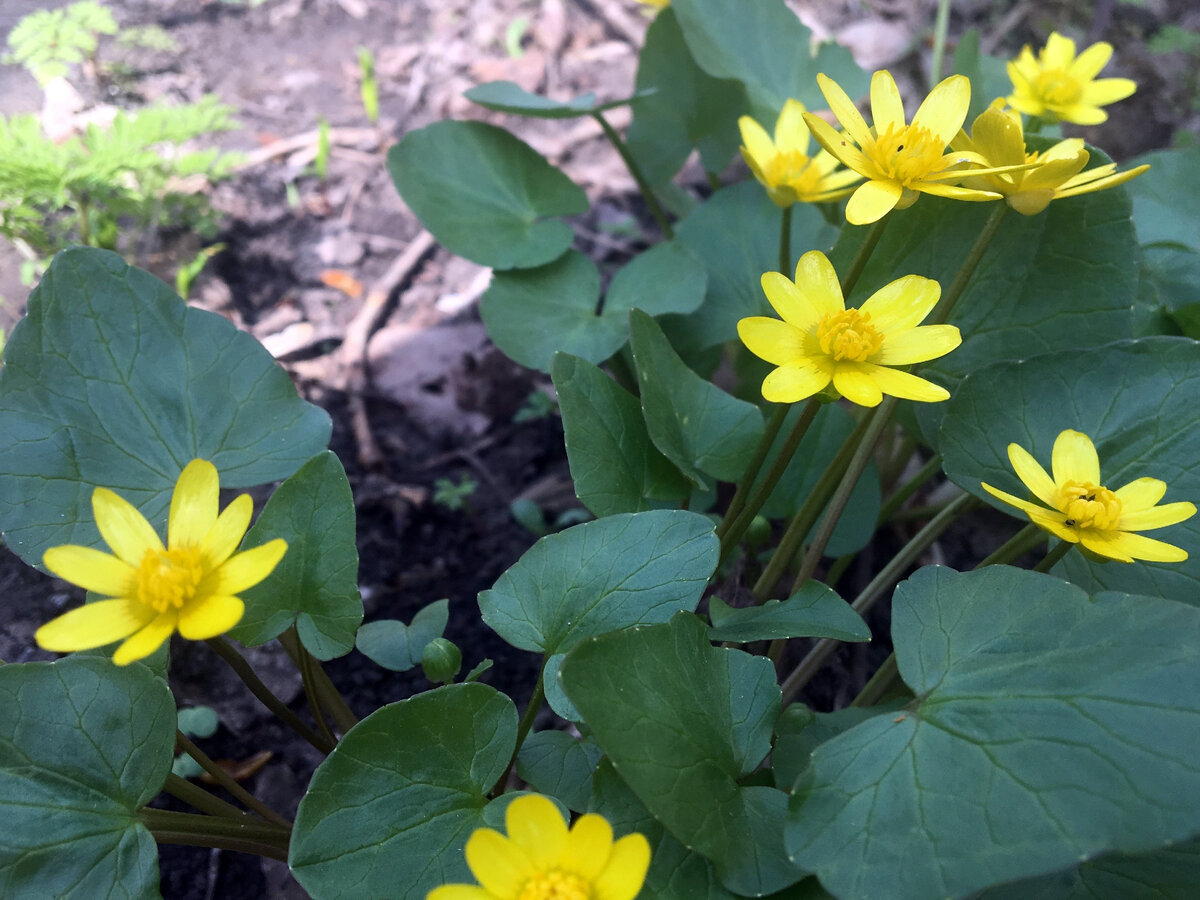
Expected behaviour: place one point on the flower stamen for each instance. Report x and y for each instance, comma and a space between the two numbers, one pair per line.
849, 335
167, 579
1088, 505
555, 885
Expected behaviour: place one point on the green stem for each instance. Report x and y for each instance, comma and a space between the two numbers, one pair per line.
1054, 556
329, 697
850, 279
223, 778
928, 511
751, 474
887, 576
310, 694
771, 479
858, 462
526, 723
248, 836
785, 242
198, 797
250, 678
806, 516
941, 26
652, 203
874, 689
941, 312
910, 487
897, 462
1015, 547
85, 224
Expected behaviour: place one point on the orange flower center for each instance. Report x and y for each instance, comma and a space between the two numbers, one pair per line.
167, 579
1088, 505
555, 885
849, 335
1057, 88
907, 153
792, 168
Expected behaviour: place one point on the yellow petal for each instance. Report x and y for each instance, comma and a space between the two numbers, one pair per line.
146, 641
905, 385
1140, 494
796, 381
998, 136
790, 131
227, 532
1081, 114
459, 892
902, 304
757, 142
1023, 505
499, 865
818, 282
1107, 90
954, 192
536, 826
193, 504
1074, 458
123, 528
1054, 522
918, 345
589, 846
1024, 69
944, 110
1106, 543
626, 870
853, 382
1058, 53
1156, 517
207, 617
844, 110
887, 109
794, 305
1089, 63
1030, 471
873, 200
1054, 172
1083, 184
93, 625
1127, 547
777, 342
1030, 203
91, 570
839, 146
244, 570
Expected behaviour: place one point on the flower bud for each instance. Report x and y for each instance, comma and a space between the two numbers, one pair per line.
441, 661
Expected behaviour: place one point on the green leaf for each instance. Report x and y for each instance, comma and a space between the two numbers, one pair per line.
559, 765
988, 74
555, 696
1136, 400
315, 587
821, 444
505, 96
799, 731
667, 278
687, 110
765, 47
695, 424
485, 194
533, 313
1061, 280
614, 465
198, 721
111, 380
736, 233
83, 745
1049, 727
1173, 275
1164, 197
813, 611
682, 721
396, 646
1171, 873
388, 813
616, 572
676, 873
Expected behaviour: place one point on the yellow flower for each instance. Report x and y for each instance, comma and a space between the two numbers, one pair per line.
820, 341
783, 165
1079, 509
900, 161
541, 860
189, 585
997, 136
657, 4
1060, 86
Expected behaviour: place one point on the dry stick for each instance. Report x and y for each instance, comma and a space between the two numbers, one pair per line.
198, 797
226, 781
887, 576
330, 697
255, 685
192, 830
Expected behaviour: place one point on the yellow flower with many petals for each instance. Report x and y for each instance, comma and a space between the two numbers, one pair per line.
1081, 510
1059, 86
542, 860
997, 136
189, 585
899, 161
783, 165
819, 341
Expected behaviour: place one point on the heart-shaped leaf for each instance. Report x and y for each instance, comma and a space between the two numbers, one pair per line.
396, 646
557, 764
813, 611
506, 96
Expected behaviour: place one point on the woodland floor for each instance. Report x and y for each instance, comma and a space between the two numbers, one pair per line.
440, 400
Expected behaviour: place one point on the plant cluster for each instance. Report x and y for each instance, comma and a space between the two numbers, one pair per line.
999, 305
